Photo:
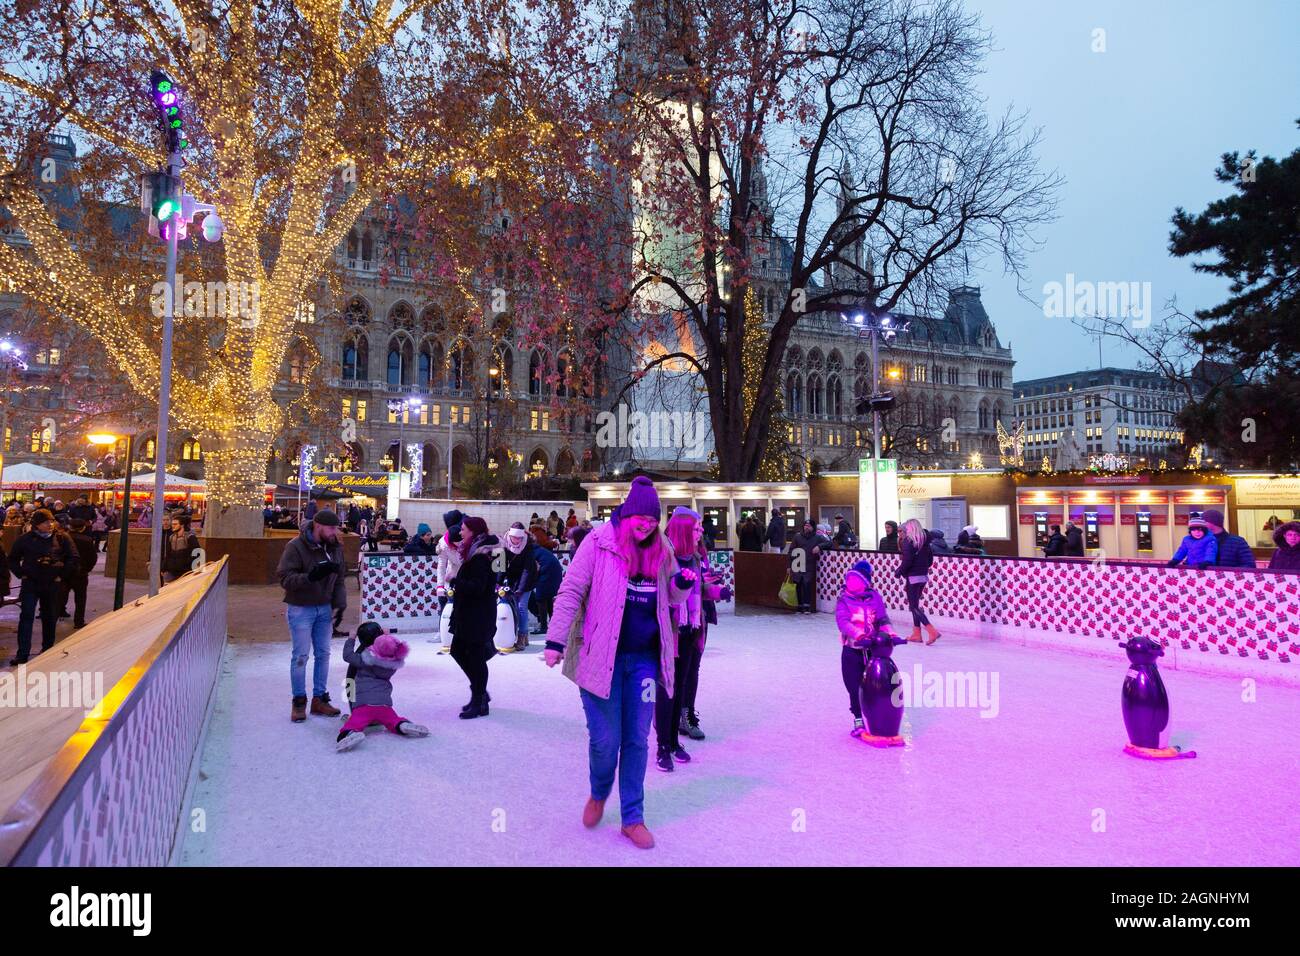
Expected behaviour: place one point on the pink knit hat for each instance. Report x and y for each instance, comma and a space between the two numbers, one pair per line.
387, 649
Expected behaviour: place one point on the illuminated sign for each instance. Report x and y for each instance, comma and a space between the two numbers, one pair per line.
350, 482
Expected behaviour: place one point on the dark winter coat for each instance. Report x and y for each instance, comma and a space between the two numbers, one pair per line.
889, 543
87, 556
1055, 547
301, 555
804, 543
521, 568
969, 543
776, 531
371, 682
85, 512
844, 536
179, 560
938, 543
474, 606
1285, 558
1234, 552
419, 547
45, 562
1074, 543
915, 561
751, 536
550, 573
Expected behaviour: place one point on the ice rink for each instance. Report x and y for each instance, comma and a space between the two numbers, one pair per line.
779, 781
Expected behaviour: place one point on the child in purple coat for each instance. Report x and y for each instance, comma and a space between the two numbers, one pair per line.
859, 613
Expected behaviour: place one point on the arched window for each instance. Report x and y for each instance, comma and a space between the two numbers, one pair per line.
297, 367
834, 397
503, 361
400, 316
562, 370
424, 373
536, 375
150, 450
192, 451
367, 246
356, 359
461, 367
394, 366
984, 415
42, 439
815, 393
357, 312
564, 463
794, 394
399, 367
353, 247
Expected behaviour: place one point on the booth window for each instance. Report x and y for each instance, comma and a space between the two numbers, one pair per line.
993, 521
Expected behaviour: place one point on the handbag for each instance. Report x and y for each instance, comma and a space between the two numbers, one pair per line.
788, 594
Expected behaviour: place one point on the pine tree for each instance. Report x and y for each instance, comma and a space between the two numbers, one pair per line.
775, 465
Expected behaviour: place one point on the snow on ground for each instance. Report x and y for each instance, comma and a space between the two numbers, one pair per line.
778, 781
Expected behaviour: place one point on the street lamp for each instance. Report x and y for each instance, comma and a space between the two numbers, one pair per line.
12, 358
876, 325
493, 374
109, 438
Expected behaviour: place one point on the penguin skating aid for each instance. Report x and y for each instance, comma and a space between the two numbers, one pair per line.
1145, 704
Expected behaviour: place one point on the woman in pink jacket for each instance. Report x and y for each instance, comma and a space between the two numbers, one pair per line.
613, 607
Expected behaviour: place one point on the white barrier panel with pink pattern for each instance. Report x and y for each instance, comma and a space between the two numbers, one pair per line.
1219, 613
399, 590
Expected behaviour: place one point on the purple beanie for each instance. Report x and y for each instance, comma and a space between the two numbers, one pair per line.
642, 499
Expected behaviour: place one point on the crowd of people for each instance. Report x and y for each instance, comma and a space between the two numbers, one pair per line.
633, 610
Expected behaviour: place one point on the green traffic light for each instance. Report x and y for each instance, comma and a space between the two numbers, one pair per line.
164, 86
166, 209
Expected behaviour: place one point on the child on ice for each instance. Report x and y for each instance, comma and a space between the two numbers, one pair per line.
860, 612
370, 685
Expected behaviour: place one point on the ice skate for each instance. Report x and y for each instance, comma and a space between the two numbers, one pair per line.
349, 740
408, 729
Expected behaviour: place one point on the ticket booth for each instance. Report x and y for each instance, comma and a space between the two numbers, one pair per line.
1038, 509
1144, 524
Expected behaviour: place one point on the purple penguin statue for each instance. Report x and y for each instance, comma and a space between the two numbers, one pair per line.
876, 692
1145, 702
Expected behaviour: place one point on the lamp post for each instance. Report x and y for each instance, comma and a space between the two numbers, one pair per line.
109, 438
876, 325
12, 357
493, 374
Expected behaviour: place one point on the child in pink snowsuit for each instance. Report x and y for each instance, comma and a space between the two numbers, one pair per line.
370, 685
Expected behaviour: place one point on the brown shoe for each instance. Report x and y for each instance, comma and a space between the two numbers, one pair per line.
299, 712
321, 707
933, 632
915, 636
592, 812
639, 835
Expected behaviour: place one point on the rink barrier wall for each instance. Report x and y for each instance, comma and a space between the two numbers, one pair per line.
116, 793
399, 591
1233, 620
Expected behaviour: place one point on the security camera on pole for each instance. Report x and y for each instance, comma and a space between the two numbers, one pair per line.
171, 210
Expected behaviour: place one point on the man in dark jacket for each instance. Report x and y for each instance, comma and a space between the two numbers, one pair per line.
1073, 540
938, 543
87, 558
889, 542
776, 532
423, 544
178, 549
82, 510
844, 538
43, 558
311, 573
550, 574
1234, 552
1055, 547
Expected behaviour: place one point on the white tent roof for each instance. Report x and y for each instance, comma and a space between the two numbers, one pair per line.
144, 482
28, 475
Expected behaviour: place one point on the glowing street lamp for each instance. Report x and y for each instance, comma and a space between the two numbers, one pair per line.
106, 438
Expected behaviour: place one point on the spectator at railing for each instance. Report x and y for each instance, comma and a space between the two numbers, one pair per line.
938, 543
889, 543
1073, 540
776, 532
1055, 547
1287, 556
1234, 552
969, 541
1199, 548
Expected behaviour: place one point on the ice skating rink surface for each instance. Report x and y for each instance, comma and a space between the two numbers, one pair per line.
779, 781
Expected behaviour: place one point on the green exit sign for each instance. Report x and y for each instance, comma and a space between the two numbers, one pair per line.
881, 464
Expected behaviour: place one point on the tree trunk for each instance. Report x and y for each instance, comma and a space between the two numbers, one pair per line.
235, 469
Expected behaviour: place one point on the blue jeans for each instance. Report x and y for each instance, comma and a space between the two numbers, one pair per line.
521, 617
619, 728
310, 628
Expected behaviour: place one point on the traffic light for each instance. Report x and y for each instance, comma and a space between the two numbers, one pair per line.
160, 196
167, 97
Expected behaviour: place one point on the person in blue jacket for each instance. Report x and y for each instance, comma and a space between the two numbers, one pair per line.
1234, 552
549, 575
1199, 548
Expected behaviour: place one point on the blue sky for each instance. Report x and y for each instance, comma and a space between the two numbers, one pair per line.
1135, 131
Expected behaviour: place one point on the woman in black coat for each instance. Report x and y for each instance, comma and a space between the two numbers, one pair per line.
914, 568
474, 613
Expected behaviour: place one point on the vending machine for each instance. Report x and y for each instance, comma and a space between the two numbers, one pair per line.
1040, 529
1144, 532
1091, 530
